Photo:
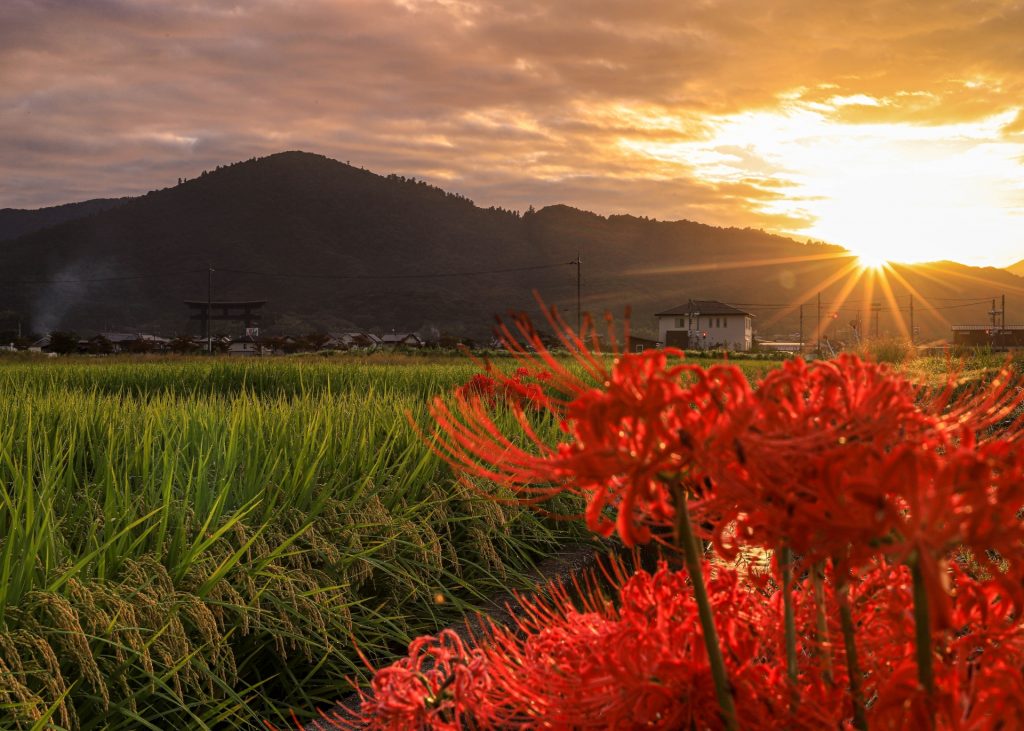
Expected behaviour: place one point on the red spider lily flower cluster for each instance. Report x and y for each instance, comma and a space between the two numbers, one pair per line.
523, 389
441, 684
639, 663
643, 663
877, 485
648, 420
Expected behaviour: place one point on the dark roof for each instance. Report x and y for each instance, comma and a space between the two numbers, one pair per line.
400, 338
131, 337
704, 307
232, 303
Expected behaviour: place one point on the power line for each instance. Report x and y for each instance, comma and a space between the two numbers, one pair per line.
287, 275
846, 306
960, 299
433, 275
89, 280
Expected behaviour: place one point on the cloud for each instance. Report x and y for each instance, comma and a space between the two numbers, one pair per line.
506, 101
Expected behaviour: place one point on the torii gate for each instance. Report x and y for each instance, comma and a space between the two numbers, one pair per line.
247, 312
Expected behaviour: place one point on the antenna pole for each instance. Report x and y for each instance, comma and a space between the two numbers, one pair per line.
578, 263
801, 329
209, 309
911, 319
817, 332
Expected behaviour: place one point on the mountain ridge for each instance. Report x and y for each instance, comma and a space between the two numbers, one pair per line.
17, 222
329, 246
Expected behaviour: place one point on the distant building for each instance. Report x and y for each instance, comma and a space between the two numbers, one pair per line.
124, 342
639, 345
1011, 336
247, 345
403, 340
777, 346
706, 324
353, 339
41, 345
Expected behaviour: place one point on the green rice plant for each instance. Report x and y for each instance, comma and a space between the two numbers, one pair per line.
198, 542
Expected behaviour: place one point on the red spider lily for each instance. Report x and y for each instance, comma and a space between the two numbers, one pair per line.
795, 461
523, 389
987, 411
650, 419
969, 497
480, 386
640, 663
644, 665
979, 671
840, 460
440, 686
811, 453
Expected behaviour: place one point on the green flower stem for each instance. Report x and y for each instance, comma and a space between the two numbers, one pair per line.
860, 720
687, 540
824, 644
789, 620
922, 631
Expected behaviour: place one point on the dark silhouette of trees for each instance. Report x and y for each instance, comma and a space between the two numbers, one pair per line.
141, 345
316, 341
100, 345
63, 342
182, 344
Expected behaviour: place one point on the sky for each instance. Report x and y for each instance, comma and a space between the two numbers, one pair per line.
893, 128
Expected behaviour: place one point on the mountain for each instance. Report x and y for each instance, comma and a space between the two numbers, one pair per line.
1017, 268
329, 246
15, 222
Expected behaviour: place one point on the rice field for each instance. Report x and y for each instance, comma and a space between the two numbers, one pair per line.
199, 543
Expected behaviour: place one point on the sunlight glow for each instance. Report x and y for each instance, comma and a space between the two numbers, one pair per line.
869, 260
887, 191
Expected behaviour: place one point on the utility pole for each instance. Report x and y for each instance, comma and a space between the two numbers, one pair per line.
801, 329
1002, 313
209, 309
876, 307
817, 336
578, 262
992, 313
911, 319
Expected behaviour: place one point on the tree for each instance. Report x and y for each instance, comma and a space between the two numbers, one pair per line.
182, 344
100, 345
275, 343
141, 345
316, 341
63, 342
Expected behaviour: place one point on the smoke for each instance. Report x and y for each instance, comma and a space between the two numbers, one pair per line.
54, 304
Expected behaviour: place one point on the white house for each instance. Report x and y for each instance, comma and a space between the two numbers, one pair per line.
706, 324
247, 345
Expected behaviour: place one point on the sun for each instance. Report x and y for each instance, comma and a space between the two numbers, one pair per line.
908, 193
869, 260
